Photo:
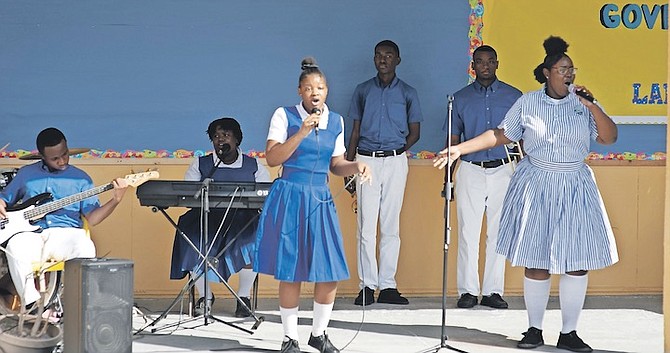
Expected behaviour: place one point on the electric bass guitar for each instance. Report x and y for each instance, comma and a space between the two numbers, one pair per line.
20, 216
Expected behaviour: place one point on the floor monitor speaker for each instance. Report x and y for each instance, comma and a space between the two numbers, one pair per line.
98, 306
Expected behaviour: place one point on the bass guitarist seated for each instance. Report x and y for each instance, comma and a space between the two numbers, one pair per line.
61, 236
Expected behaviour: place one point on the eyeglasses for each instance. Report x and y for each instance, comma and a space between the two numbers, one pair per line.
562, 70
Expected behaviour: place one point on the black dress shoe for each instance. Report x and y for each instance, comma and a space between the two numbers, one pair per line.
369, 295
572, 342
466, 301
290, 346
391, 296
494, 301
531, 339
241, 311
322, 343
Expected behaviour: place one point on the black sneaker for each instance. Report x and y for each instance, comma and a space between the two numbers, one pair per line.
572, 342
200, 306
241, 311
466, 301
322, 343
290, 346
494, 301
391, 296
531, 339
369, 295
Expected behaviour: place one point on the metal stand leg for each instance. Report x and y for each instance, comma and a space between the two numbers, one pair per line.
187, 287
254, 296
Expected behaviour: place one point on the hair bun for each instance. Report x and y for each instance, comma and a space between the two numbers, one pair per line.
555, 45
308, 63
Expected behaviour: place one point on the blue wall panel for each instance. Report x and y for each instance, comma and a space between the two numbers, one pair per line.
152, 74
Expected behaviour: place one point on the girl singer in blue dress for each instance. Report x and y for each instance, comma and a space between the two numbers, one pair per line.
553, 219
299, 238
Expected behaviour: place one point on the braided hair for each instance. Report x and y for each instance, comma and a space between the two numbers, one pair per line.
556, 49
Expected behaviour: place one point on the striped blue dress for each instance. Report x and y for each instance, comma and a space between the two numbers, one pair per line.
553, 216
299, 237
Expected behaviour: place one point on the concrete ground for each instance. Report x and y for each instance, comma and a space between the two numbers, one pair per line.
608, 324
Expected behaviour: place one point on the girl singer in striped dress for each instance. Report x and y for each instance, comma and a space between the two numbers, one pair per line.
553, 219
299, 238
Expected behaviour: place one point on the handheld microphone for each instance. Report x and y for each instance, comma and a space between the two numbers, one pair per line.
316, 110
580, 93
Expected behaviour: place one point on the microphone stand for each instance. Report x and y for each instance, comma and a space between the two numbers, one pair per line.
208, 262
447, 240
204, 218
204, 212
205, 227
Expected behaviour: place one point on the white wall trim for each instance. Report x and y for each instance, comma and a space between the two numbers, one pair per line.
640, 119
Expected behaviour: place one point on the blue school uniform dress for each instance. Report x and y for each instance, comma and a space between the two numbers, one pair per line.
238, 242
553, 216
299, 237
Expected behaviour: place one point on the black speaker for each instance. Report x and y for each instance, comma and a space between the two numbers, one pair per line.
98, 306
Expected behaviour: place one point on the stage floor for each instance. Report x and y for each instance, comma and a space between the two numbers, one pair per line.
608, 324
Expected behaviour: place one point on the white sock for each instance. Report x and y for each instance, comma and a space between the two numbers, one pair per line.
536, 297
321, 318
247, 277
572, 291
289, 321
200, 286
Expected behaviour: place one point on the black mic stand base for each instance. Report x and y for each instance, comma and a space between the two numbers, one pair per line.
444, 348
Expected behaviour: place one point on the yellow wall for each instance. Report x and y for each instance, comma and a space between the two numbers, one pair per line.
610, 60
666, 244
633, 193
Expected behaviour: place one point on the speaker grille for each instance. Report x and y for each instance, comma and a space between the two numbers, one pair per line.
98, 306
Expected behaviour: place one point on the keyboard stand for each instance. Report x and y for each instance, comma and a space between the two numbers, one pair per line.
188, 287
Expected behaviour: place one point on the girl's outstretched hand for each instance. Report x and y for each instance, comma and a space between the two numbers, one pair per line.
442, 159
